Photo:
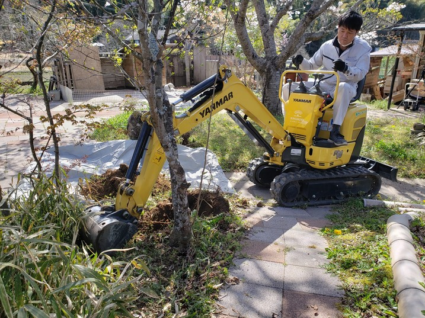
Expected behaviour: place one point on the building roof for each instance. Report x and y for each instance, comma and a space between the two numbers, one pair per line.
410, 27
406, 49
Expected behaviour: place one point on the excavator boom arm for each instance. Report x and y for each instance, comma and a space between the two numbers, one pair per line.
223, 91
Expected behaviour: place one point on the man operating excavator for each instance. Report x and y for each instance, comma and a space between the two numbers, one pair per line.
347, 54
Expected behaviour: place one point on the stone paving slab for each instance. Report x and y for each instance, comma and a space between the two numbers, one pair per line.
258, 272
311, 280
264, 213
263, 251
304, 238
7, 178
253, 220
320, 212
281, 222
250, 301
305, 256
11, 125
266, 235
291, 212
313, 224
303, 305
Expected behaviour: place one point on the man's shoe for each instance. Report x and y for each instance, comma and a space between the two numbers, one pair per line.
338, 139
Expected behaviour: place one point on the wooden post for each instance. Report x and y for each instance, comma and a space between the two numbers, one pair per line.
187, 47
395, 69
377, 92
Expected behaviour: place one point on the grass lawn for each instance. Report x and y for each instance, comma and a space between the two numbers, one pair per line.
387, 140
10, 81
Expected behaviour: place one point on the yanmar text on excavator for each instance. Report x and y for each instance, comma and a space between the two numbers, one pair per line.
300, 165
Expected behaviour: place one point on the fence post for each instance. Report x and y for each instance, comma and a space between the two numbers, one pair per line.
211, 67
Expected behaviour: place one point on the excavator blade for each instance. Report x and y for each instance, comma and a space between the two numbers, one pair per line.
107, 229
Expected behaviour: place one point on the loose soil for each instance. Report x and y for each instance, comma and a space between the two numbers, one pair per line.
106, 186
210, 204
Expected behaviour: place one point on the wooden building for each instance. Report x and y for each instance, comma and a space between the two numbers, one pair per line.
408, 55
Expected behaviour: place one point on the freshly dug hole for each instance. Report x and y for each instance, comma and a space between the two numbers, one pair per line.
106, 185
211, 204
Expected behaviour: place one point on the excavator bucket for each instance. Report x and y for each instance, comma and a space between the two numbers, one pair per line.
107, 229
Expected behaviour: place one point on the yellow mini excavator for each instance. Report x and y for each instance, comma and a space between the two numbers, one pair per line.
300, 165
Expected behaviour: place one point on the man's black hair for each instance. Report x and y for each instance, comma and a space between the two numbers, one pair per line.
351, 20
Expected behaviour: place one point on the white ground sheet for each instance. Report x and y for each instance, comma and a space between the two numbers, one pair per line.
81, 161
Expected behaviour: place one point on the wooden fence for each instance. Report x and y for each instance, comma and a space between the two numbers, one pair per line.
203, 66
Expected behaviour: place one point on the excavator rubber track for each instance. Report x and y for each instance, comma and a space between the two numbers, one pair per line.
318, 187
261, 173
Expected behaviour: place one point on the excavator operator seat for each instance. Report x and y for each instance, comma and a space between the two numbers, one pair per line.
360, 86
354, 121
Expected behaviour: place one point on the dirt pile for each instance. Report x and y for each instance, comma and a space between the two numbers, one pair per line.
106, 186
210, 204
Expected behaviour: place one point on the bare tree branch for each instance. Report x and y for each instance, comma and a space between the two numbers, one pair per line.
30, 131
38, 47
170, 22
16, 112
279, 15
266, 31
298, 37
239, 20
314, 36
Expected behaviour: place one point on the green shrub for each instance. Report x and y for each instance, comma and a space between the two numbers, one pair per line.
42, 270
114, 128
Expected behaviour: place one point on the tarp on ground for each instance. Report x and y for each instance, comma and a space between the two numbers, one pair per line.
82, 161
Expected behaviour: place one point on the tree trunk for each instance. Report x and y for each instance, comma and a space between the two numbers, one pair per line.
271, 80
162, 119
272, 64
181, 235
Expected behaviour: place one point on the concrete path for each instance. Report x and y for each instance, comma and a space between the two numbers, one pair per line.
279, 272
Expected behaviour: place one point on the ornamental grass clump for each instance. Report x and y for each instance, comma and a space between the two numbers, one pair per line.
44, 273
